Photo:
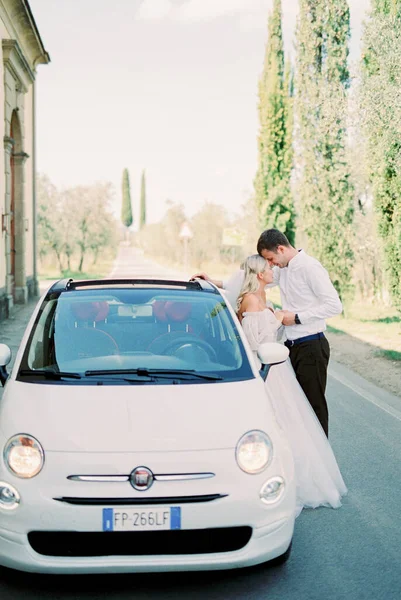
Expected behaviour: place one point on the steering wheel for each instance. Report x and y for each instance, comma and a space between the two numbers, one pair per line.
87, 343
182, 340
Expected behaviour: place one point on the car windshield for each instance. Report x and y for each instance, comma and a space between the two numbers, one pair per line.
134, 335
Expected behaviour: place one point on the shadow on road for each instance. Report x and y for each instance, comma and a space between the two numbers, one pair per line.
211, 585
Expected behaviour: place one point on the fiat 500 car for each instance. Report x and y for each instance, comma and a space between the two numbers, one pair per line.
136, 435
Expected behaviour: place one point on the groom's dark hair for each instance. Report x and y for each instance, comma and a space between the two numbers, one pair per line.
271, 239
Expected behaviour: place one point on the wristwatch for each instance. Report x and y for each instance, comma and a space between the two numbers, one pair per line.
297, 321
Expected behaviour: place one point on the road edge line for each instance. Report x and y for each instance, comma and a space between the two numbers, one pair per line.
366, 395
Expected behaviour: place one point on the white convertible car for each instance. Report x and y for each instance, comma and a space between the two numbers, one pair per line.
136, 435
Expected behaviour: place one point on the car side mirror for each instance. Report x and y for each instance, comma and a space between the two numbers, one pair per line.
5, 357
270, 354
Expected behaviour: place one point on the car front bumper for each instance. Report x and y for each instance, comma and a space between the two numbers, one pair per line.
266, 543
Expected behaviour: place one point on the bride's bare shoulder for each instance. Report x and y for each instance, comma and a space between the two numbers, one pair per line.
250, 303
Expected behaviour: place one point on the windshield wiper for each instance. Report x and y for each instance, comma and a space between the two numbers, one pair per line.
50, 374
157, 373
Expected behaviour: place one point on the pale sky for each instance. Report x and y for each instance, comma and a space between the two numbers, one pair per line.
169, 86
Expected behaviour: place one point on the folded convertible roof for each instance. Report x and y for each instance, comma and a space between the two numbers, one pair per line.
65, 285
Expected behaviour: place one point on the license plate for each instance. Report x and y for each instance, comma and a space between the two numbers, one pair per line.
141, 519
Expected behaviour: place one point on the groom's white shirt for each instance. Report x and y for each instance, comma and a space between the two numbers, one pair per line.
305, 288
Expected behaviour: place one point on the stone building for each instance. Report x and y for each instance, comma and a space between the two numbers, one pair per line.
22, 51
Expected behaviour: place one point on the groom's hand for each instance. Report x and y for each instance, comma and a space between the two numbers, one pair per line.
288, 317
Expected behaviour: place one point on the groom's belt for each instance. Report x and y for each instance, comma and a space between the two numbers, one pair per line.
306, 338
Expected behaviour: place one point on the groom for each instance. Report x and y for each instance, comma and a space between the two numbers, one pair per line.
308, 298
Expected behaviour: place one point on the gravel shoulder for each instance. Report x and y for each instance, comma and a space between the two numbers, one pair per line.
361, 358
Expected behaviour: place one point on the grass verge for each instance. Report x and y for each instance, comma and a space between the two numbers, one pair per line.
392, 355
334, 330
98, 271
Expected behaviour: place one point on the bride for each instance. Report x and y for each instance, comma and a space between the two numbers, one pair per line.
318, 478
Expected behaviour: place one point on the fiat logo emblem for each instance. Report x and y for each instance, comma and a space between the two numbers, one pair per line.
141, 478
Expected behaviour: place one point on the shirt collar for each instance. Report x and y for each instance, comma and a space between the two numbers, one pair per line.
296, 258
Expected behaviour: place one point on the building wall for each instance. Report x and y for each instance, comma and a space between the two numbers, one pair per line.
21, 50
28, 192
3, 302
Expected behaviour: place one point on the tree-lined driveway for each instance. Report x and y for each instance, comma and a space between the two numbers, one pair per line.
131, 262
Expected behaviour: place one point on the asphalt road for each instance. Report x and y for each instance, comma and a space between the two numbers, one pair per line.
352, 553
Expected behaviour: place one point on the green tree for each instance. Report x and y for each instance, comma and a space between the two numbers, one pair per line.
75, 222
162, 240
142, 216
381, 110
273, 178
50, 234
207, 227
126, 208
325, 190
171, 223
87, 214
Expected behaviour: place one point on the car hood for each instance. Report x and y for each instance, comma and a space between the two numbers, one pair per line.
135, 418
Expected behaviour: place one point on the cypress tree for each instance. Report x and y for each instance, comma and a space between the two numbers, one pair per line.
272, 181
288, 152
142, 217
381, 110
325, 190
126, 209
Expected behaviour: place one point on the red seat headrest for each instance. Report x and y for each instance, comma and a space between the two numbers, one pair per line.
159, 310
90, 311
178, 311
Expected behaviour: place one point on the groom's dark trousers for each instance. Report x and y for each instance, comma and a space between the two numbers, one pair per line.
310, 360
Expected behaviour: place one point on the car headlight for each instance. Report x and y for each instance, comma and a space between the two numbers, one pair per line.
254, 452
24, 456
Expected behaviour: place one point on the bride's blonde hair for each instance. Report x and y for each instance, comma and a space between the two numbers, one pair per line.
253, 265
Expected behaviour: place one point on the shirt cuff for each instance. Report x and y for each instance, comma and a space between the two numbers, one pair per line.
304, 317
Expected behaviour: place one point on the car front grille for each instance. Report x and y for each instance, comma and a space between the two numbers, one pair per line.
139, 543
144, 500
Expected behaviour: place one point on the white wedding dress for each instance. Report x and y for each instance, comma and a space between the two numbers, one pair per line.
318, 478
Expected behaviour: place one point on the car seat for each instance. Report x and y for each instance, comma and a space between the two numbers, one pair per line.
78, 337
